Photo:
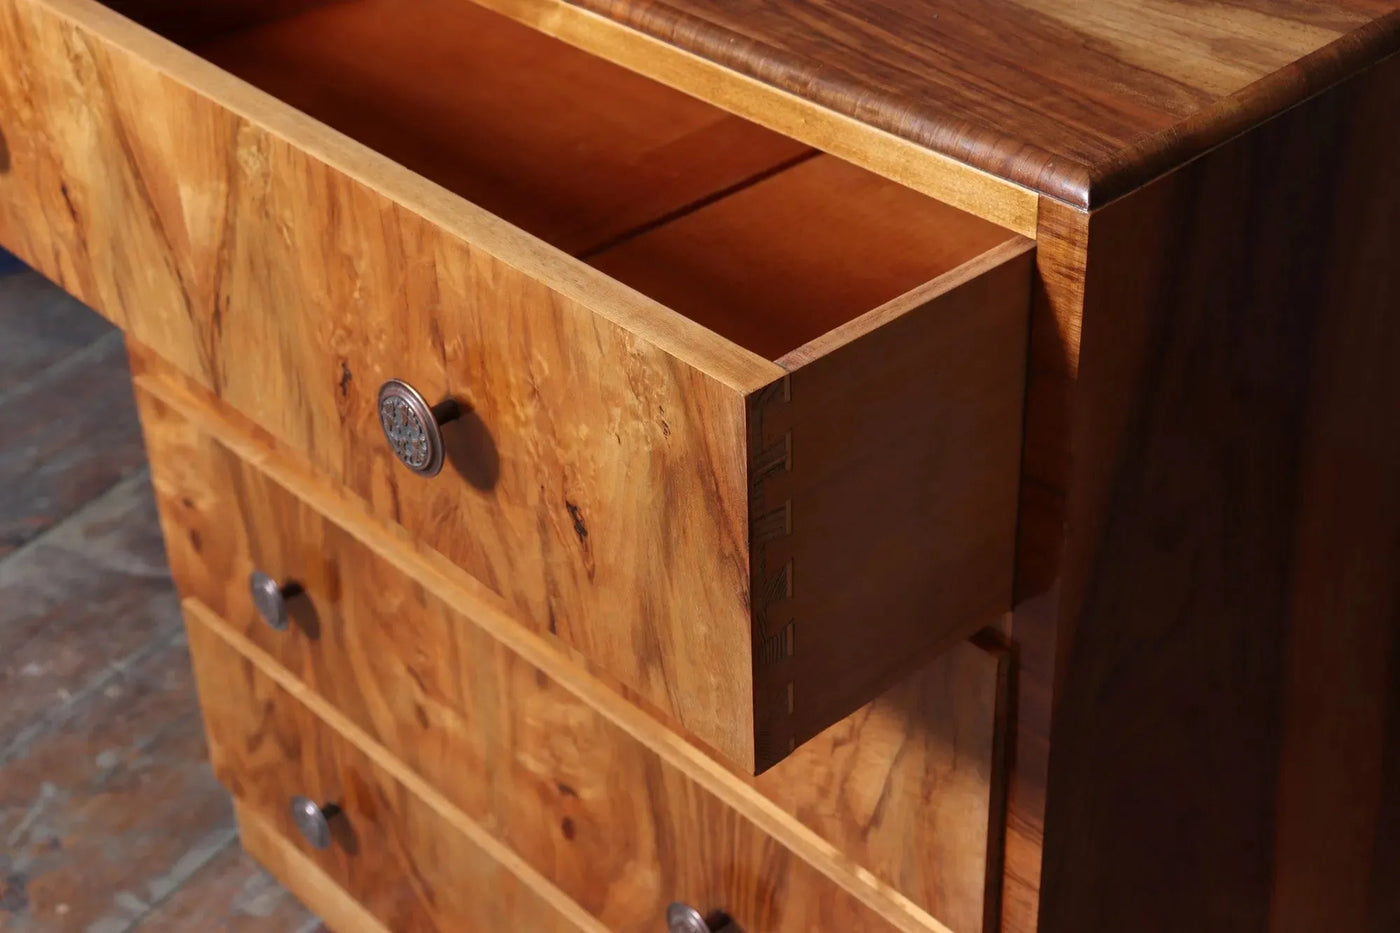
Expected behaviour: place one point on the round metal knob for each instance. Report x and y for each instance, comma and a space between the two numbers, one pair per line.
270, 598
413, 427
314, 821
682, 918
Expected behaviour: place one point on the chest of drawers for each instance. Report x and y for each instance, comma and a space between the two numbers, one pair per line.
633, 465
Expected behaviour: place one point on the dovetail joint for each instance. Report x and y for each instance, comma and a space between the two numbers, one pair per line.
771, 584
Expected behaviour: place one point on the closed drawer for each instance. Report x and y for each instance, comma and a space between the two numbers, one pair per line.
618, 813
407, 857
738, 422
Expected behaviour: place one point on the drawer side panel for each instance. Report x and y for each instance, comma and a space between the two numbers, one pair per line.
883, 487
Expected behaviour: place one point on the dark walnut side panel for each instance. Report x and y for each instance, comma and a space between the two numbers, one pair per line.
1080, 101
1225, 743
1053, 364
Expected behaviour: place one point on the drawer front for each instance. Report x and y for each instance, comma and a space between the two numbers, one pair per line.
402, 857
613, 822
755, 549
253, 249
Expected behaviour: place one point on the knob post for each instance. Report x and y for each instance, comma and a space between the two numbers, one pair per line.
270, 598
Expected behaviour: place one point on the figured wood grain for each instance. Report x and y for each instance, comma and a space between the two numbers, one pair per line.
403, 856
1224, 731
521, 755
573, 149
568, 408
107, 806
799, 254
151, 105
910, 785
602, 467
1080, 101
297, 711
167, 399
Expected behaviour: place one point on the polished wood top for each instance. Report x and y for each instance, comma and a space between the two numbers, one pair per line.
1082, 101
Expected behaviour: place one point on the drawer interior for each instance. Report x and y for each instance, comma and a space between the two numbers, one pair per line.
757, 237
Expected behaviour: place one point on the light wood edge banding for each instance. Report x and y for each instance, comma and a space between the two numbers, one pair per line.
933, 173
456, 588
303, 877
731, 365
199, 614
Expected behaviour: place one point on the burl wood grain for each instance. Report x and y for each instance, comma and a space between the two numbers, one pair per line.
636, 895
1225, 731
911, 785
572, 148
1080, 101
526, 758
398, 855
109, 816
600, 479
293, 290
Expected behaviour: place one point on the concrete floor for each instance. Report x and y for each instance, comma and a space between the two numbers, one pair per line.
110, 817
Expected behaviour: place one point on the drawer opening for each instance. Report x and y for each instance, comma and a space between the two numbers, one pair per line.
757, 237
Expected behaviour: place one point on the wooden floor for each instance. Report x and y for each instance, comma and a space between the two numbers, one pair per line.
110, 817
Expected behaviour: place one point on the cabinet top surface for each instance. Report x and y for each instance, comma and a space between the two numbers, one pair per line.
1082, 100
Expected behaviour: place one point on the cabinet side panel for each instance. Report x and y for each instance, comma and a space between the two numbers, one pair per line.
1230, 601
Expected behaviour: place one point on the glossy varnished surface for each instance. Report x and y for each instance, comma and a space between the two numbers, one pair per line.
1080, 100
110, 818
294, 289
899, 792
1229, 649
605, 468
398, 852
923, 757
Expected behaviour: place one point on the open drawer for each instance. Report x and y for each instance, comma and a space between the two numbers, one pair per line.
737, 421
